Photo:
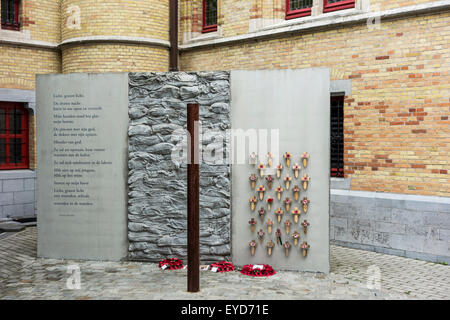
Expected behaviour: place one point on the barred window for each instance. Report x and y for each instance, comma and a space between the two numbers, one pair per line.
333, 5
298, 8
209, 15
10, 14
337, 136
13, 136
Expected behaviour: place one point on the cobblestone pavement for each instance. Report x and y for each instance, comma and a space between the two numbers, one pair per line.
23, 276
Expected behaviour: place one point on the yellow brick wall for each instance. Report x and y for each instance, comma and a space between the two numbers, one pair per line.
392, 4
236, 14
46, 20
18, 70
21, 64
42, 19
132, 18
114, 58
396, 121
397, 131
233, 16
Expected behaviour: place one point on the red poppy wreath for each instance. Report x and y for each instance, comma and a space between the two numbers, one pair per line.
256, 271
223, 266
171, 264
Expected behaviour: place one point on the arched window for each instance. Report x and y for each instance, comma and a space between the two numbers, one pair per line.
10, 14
209, 15
14, 153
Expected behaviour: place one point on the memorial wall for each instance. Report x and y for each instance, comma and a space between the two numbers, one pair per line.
112, 185
282, 219
82, 120
157, 216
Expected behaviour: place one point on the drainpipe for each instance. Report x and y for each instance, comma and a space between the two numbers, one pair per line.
173, 35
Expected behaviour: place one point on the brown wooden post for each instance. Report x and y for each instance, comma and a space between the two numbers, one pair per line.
193, 202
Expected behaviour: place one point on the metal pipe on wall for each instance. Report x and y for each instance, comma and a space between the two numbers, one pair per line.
173, 25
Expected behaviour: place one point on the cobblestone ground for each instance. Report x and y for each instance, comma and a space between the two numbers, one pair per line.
23, 276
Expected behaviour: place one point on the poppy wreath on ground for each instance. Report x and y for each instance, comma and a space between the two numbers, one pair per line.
172, 264
223, 266
266, 271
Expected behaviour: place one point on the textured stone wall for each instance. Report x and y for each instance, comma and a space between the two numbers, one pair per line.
157, 226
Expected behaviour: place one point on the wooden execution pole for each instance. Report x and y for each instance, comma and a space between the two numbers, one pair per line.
193, 202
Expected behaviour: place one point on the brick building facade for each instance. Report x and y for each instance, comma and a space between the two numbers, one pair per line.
389, 61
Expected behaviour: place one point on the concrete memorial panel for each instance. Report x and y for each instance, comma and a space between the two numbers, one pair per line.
82, 123
288, 111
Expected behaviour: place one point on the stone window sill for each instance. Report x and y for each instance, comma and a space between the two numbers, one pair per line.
17, 174
8, 34
207, 36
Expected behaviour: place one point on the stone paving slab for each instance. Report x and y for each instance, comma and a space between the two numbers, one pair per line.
23, 276
11, 226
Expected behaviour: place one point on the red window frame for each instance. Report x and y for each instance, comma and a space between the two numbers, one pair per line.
9, 107
16, 24
292, 14
207, 28
345, 4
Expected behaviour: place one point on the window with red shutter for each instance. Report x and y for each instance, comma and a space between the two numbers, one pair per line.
13, 136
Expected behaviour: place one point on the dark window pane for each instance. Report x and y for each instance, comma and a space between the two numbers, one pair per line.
15, 121
2, 121
337, 137
300, 4
335, 1
8, 11
2, 150
211, 12
4, 3
15, 150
